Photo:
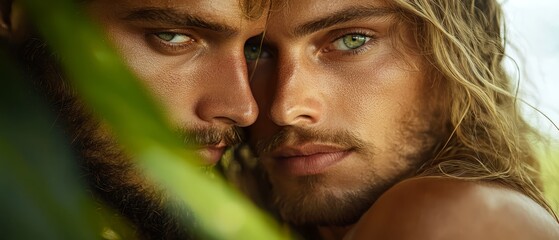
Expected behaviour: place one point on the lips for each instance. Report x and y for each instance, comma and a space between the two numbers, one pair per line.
308, 159
212, 154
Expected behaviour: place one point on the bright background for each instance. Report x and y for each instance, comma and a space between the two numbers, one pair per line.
533, 30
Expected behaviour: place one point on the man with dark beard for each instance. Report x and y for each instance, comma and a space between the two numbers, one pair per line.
189, 53
394, 119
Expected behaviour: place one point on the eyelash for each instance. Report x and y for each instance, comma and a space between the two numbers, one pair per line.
361, 49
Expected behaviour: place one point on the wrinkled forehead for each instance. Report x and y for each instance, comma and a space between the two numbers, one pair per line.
222, 15
226, 9
302, 16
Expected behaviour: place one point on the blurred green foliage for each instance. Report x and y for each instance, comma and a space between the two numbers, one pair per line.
42, 197
46, 195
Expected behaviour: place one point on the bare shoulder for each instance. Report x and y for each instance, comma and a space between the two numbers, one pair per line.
443, 208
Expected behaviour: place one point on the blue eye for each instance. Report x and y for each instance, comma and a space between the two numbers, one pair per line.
350, 42
175, 38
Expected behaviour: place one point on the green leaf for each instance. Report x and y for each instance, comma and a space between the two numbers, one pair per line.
104, 82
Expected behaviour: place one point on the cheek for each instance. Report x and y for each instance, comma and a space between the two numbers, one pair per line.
380, 95
172, 80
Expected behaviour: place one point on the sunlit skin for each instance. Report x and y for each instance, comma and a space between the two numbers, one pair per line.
348, 113
190, 55
345, 78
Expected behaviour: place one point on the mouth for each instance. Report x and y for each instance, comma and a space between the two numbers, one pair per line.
211, 154
308, 159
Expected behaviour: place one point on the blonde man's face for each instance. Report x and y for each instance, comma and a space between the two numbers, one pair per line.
344, 108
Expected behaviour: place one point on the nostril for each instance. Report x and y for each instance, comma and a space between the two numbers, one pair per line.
306, 118
237, 109
231, 115
225, 120
302, 112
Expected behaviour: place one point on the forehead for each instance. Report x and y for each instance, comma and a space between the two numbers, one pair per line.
222, 6
228, 11
294, 11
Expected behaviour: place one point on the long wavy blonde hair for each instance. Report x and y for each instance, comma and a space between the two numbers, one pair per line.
463, 42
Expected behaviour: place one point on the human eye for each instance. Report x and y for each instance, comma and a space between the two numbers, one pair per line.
352, 43
169, 42
173, 38
254, 50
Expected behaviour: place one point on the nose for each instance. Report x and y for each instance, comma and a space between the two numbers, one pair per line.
229, 99
298, 99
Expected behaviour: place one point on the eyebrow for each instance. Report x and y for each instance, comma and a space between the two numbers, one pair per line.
173, 17
342, 16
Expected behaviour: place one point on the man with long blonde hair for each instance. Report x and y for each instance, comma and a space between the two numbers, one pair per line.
394, 119
189, 54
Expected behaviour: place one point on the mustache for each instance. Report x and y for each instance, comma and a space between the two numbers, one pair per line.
211, 136
297, 135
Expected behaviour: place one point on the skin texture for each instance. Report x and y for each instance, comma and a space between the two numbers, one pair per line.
190, 55
441, 208
367, 110
342, 132
177, 60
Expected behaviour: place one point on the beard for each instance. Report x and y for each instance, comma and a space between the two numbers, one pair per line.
314, 205
108, 170
318, 200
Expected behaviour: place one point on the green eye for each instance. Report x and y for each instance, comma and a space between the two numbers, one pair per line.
173, 37
350, 41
